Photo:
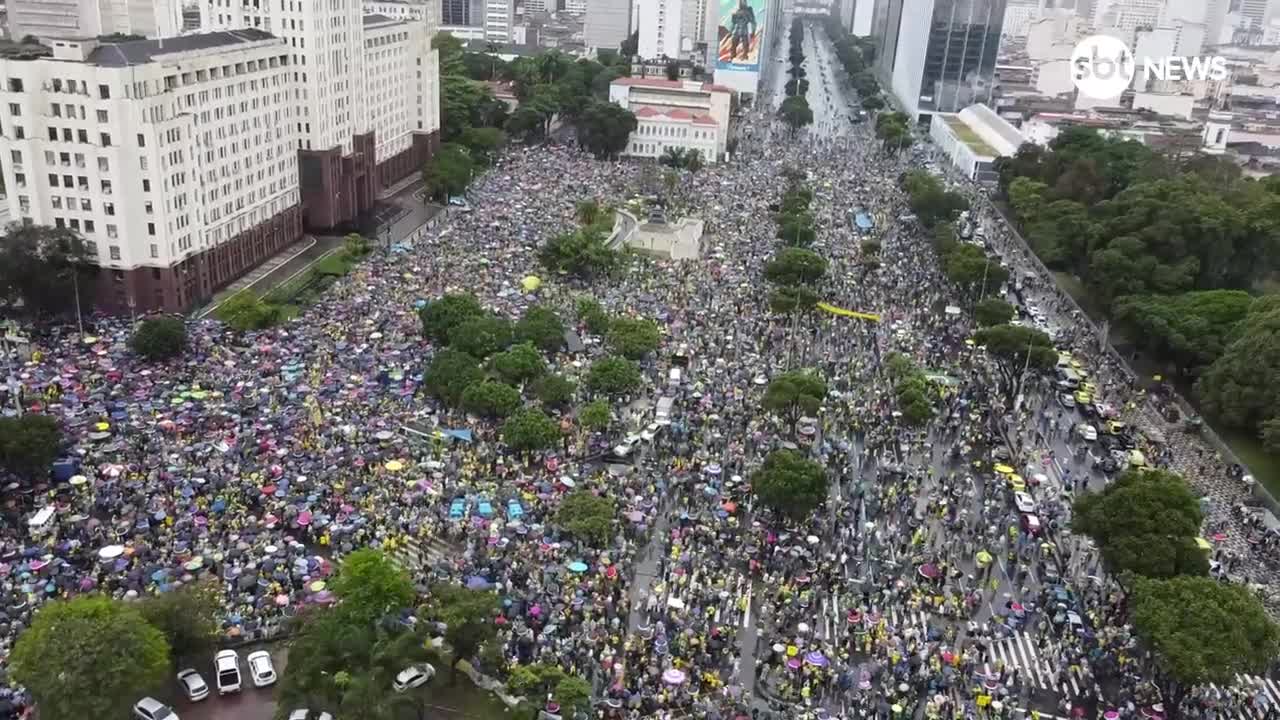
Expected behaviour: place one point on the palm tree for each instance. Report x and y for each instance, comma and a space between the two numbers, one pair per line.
493, 48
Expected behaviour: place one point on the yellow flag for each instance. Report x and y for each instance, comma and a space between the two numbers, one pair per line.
847, 313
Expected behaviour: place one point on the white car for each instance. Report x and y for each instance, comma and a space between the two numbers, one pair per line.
1024, 502
261, 669
412, 677
149, 708
226, 664
305, 714
1089, 432
650, 432
193, 686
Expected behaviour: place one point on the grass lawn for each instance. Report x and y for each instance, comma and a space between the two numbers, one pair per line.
1264, 465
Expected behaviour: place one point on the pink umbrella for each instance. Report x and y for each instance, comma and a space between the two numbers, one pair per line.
282, 600
304, 518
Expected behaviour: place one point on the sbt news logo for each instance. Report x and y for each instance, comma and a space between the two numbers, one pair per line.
1103, 67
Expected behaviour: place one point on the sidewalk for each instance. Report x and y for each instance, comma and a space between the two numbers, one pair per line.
276, 269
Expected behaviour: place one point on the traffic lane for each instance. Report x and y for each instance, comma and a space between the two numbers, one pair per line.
249, 704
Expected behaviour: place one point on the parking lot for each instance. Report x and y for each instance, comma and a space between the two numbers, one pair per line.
249, 704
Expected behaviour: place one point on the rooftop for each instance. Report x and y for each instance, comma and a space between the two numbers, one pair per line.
141, 52
678, 85
969, 137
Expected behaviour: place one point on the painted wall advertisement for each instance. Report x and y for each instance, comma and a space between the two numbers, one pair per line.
741, 34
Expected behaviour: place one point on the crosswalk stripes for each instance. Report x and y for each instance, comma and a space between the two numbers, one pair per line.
1253, 684
831, 618
418, 558
1020, 652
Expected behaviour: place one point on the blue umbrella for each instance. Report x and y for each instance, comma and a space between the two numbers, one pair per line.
475, 582
577, 566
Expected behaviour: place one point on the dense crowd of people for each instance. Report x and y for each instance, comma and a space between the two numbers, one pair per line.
260, 459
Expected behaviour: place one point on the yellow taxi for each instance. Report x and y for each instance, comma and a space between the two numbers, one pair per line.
1083, 398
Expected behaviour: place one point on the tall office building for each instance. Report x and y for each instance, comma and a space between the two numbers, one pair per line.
92, 18
608, 23
461, 12
176, 161
341, 54
939, 55
660, 28
499, 17
1255, 11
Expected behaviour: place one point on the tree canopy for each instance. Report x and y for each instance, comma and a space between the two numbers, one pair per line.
39, 267
583, 252
1242, 387
1202, 631
449, 171
633, 338
794, 395
441, 316
370, 586
490, 399
468, 617
481, 336
1014, 350
189, 617
605, 127
529, 429
159, 338
795, 266
992, 311
29, 444
88, 657
1144, 523
1191, 329
450, 373
587, 516
613, 376
790, 485
519, 364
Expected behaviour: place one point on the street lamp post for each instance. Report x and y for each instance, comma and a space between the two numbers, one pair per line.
75, 282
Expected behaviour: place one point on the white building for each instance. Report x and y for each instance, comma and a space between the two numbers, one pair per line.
343, 161
176, 161
404, 10
687, 114
608, 23
660, 28
92, 18
499, 17
973, 138
575, 7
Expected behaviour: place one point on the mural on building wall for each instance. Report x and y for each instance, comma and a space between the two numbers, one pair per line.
741, 34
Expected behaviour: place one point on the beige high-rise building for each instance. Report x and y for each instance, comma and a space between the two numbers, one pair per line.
93, 18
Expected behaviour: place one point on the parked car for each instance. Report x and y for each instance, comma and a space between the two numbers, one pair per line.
149, 708
193, 686
1066, 401
1088, 432
227, 665
261, 669
412, 677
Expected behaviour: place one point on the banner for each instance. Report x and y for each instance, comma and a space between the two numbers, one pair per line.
741, 34
847, 313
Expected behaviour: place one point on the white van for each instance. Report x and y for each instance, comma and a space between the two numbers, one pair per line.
674, 377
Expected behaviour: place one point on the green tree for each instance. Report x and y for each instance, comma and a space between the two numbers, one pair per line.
468, 616
792, 298
370, 586
491, 399
483, 142
1192, 329
539, 680
795, 266
41, 265
795, 112
593, 314
596, 415
526, 123
790, 485
89, 657
449, 171
797, 230
1240, 387
440, 317
795, 394
604, 128
588, 212
1202, 631
613, 376
450, 373
29, 444
189, 617
583, 253
542, 327
992, 311
1027, 196
969, 267
528, 430
910, 389
519, 364
159, 338
554, 391
1015, 350
245, 311
870, 247
587, 516
482, 336
873, 103
1144, 523
633, 338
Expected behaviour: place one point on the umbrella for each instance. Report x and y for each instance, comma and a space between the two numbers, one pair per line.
394, 465
673, 676
111, 552
383, 435
531, 283
816, 659
929, 570
984, 558
475, 582
577, 566
1004, 469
